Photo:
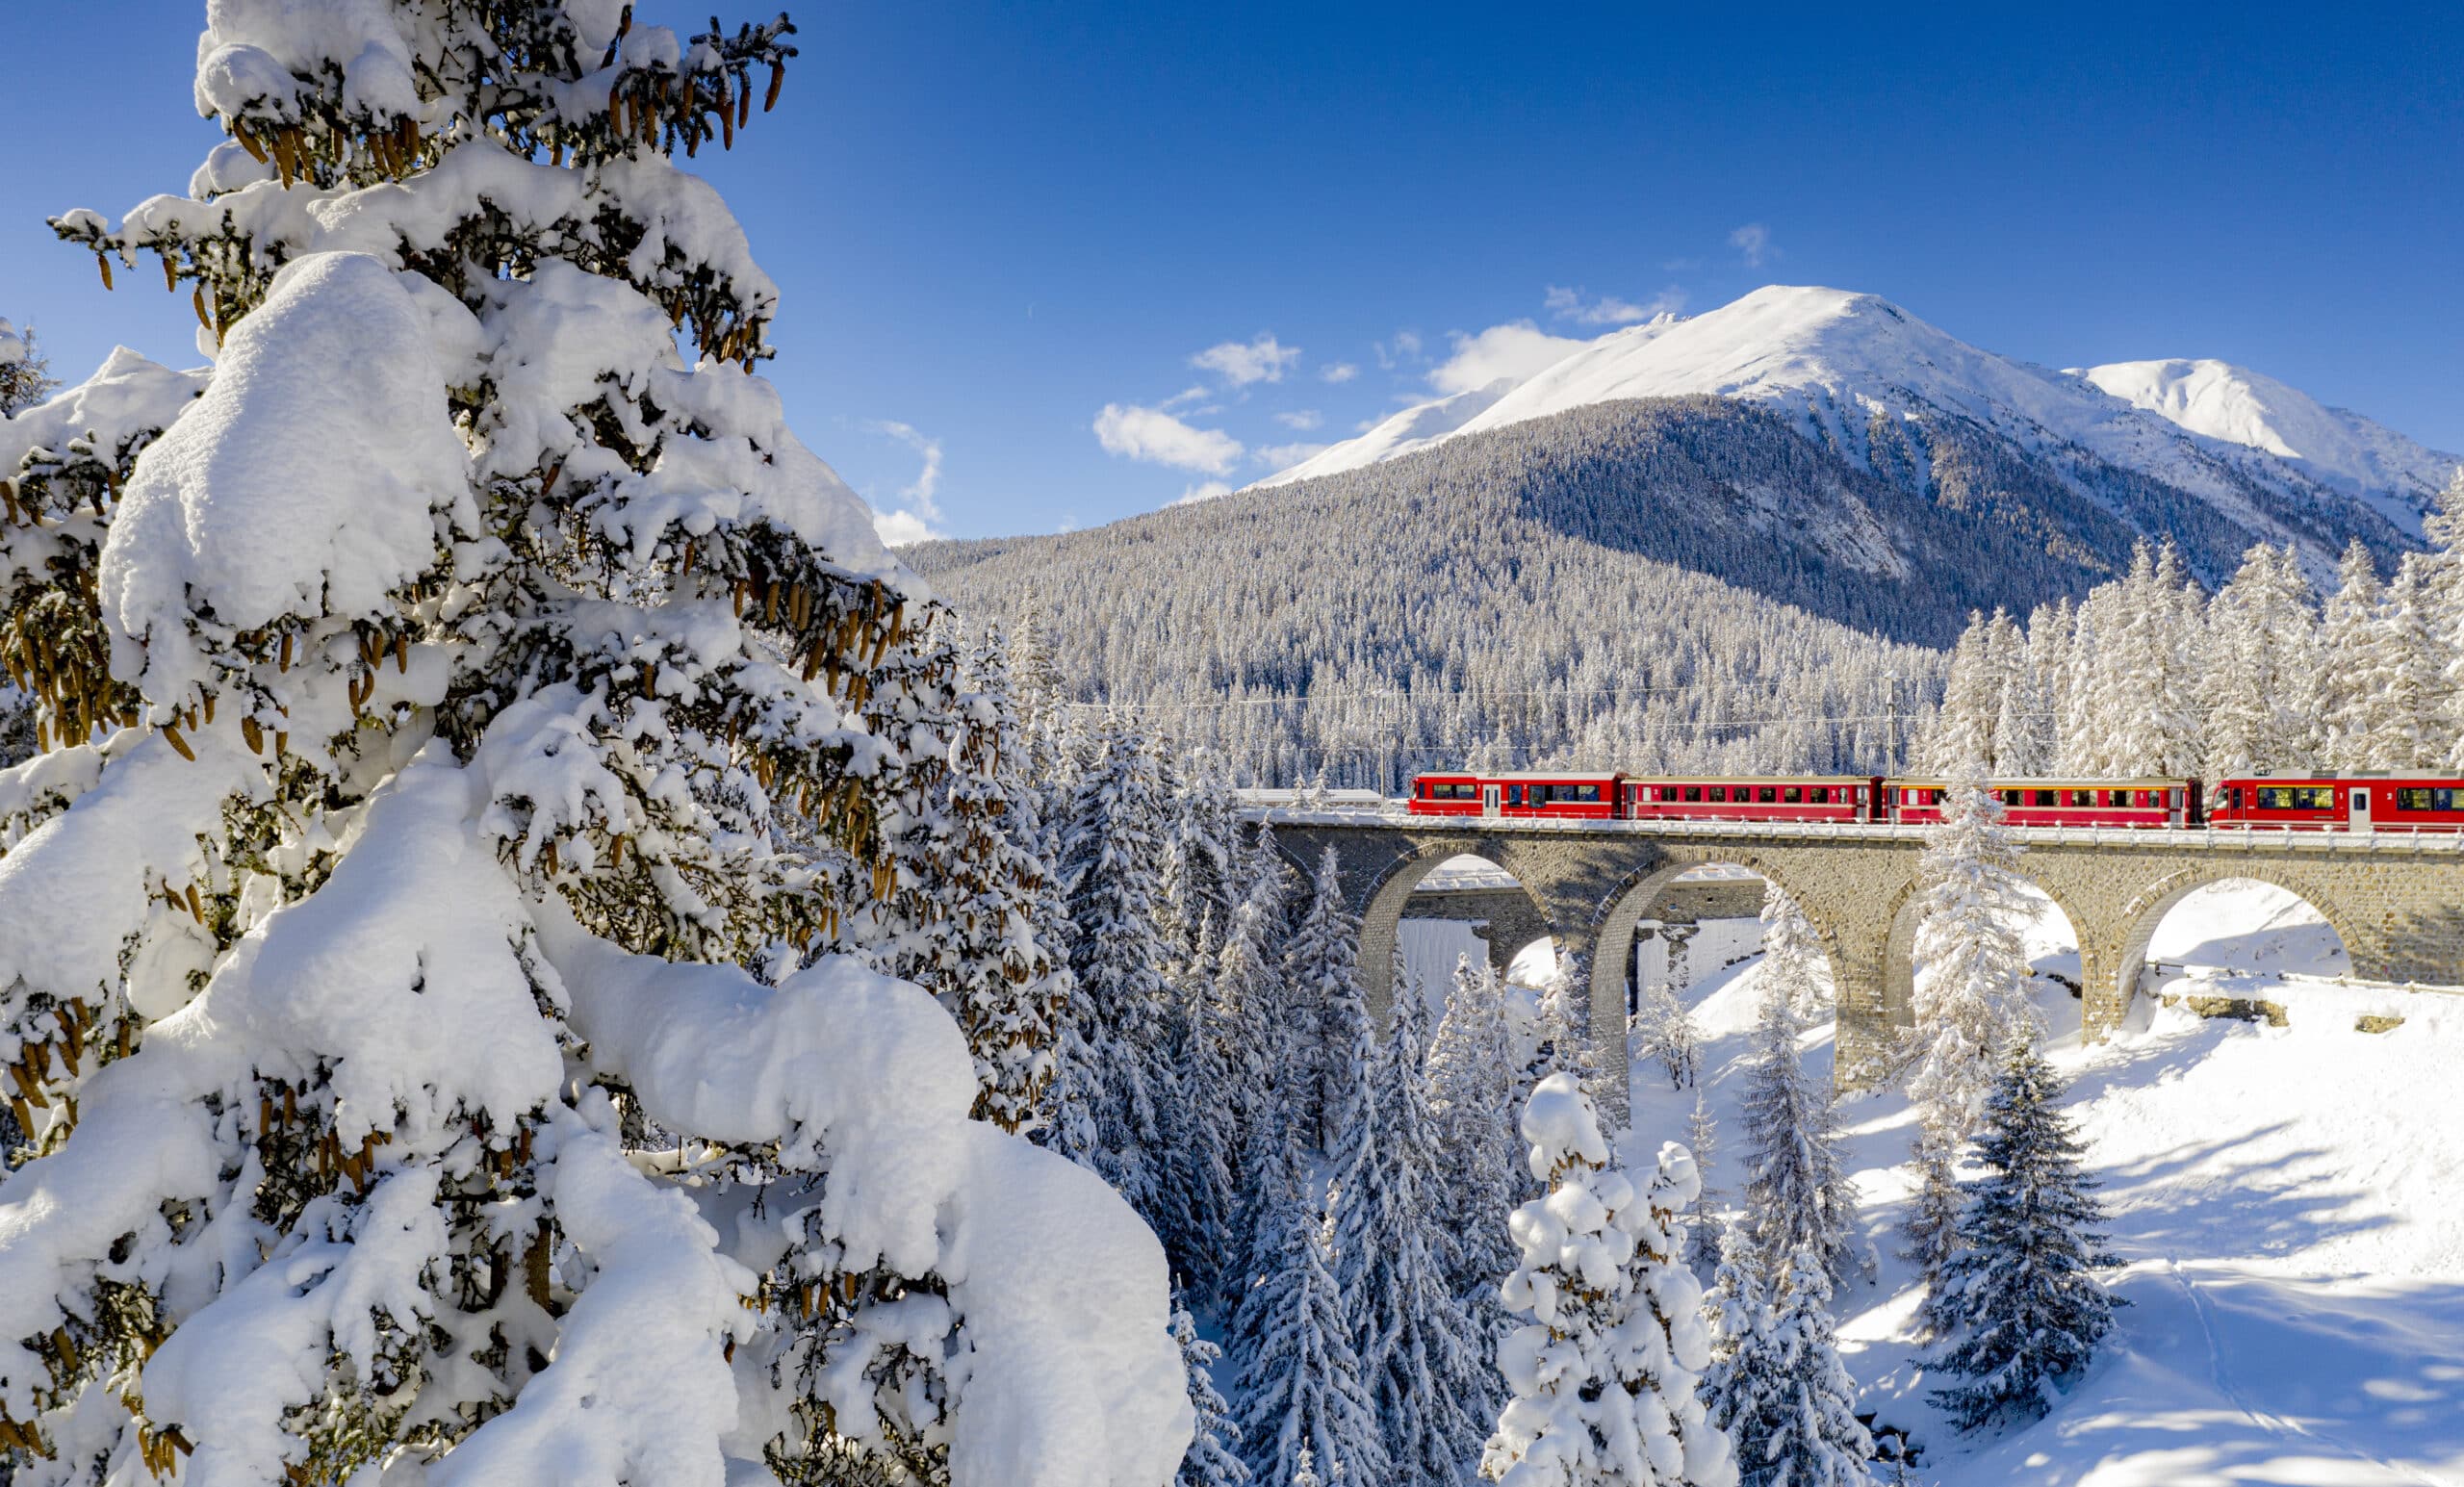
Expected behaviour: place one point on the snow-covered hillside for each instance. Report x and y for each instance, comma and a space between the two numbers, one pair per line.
1834, 362
2241, 406
2283, 1208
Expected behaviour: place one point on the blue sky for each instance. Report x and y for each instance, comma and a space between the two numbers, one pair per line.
993, 223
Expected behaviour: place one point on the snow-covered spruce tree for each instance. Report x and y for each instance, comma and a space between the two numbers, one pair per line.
2346, 662
1424, 1364
2021, 1293
1330, 1027
1259, 1053
1203, 847
1781, 1392
445, 672
1298, 1381
1664, 1030
1972, 694
1971, 968
1797, 1197
1601, 1381
1738, 1311
1704, 1232
1211, 1461
2404, 692
2261, 668
2445, 527
1794, 955
1471, 1071
961, 918
1202, 1195
1112, 862
1970, 998
25, 372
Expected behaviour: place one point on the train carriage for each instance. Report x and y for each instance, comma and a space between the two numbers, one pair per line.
1574, 795
1749, 798
2125, 803
2339, 803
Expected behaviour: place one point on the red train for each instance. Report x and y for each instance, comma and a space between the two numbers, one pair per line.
2310, 802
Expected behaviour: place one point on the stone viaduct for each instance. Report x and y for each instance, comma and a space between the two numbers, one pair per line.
2396, 899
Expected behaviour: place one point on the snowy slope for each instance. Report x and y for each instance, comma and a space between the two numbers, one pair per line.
1832, 361
2241, 406
1414, 428
2284, 1208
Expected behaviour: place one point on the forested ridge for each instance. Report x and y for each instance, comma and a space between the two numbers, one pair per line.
1679, 582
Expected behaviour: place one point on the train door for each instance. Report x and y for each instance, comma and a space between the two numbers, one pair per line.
2358, 818
1488, 800
2176, 809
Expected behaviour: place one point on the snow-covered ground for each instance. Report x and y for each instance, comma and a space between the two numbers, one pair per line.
2288, 1211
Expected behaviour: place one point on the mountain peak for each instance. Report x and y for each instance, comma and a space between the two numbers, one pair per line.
1833, 362
2238, 405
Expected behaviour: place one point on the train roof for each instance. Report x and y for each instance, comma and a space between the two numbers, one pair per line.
1520, 774
2297, 775
1753, 778
1652, 779
2054, 781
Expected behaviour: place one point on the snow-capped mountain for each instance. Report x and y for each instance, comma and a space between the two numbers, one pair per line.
1863, 376
2241, 406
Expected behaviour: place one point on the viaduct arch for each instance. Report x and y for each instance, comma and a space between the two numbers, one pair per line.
2397, 902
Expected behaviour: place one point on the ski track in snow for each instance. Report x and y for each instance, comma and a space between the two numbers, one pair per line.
2221, 1373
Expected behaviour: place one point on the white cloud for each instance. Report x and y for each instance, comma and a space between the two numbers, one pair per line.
919, 514
1184, 396
1305, 419
1238, 364
1204, 490
1568, 304
901, 529
1514, 350
1155, 436
1338, 372
1754, 240
1283, 456
1405, 345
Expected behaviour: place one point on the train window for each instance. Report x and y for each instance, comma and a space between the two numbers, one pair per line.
1792, 795
2083, 797
1819, 795
1514, 795
2048, 796
2315, 797
1589, 794
1767, 795
1719, 792
2011, 797
2275, 798
2412, 800
2443, 799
